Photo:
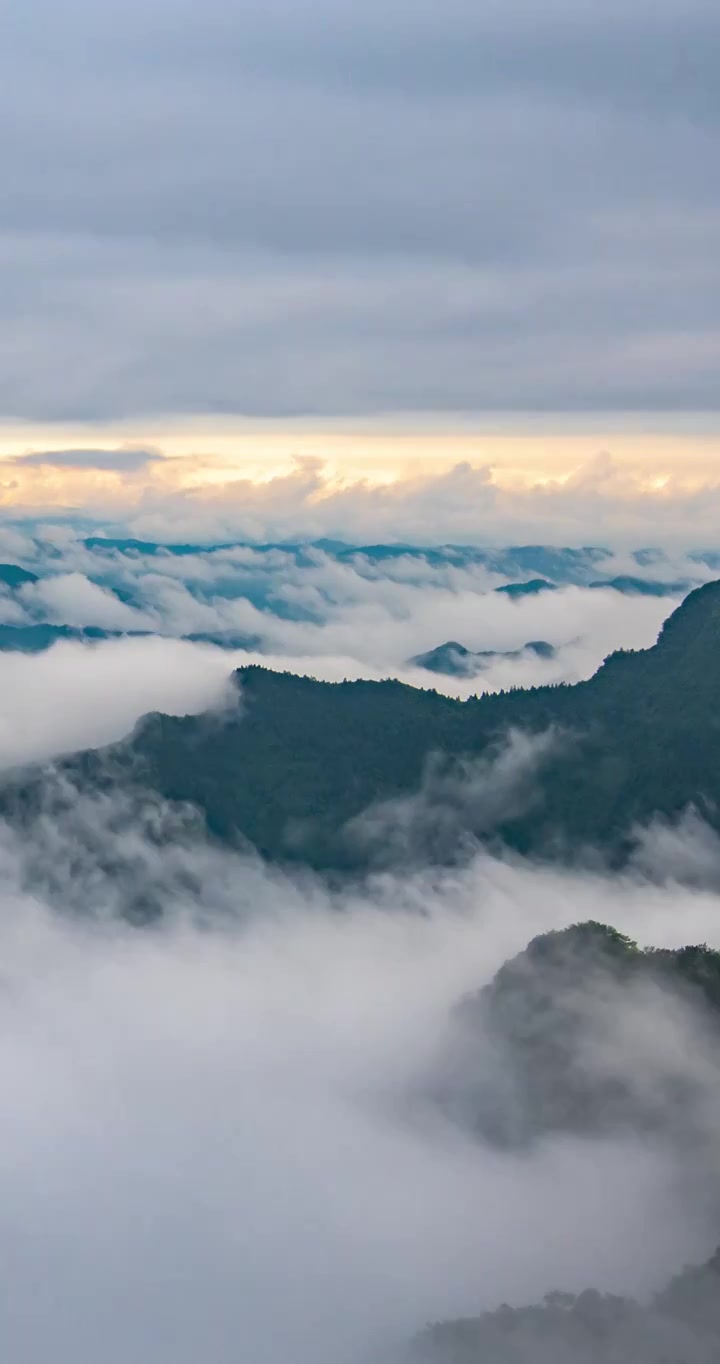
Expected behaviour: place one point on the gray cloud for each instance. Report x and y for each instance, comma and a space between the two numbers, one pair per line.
128, 461
328, 207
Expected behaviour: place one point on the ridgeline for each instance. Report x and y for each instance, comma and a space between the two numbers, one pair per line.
293, 766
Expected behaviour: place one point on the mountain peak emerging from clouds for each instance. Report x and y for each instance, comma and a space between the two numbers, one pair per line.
353, 774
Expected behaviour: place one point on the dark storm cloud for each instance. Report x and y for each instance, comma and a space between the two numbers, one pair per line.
326, 207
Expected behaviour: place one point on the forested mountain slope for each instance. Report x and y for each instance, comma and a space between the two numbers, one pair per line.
584, 1032
680, 1326
298, 760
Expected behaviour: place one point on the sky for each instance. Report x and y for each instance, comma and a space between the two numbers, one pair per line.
409, 273
392, 237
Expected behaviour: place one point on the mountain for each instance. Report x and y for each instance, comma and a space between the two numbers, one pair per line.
454, 660
625, 583
681, 1325
34, 639
528, 589
294, 764
539, 647
13, 576
643, 587
531, 568
585, 1033
568, 1038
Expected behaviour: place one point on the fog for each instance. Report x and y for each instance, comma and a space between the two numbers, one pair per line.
222, 1136
75, 696
210, 1149
82, 695
436, 281
308, 612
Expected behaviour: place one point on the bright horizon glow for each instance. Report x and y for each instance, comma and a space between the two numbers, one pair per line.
659, 450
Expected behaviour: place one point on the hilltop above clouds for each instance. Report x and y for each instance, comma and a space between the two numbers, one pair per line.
356, 774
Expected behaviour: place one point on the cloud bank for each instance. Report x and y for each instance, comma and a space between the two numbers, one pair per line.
391, 209
189, 618
627, 503
73, 696
210, 1146
109, 461
217, 1141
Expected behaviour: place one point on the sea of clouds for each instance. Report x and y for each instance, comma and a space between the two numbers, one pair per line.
216, 1140
329, 611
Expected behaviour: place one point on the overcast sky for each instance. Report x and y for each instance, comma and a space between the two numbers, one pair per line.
281, 207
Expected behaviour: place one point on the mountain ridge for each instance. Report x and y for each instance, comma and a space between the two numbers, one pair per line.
293, 765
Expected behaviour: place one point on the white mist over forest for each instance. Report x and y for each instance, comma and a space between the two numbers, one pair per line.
221, 1137
217, 1140
359, 678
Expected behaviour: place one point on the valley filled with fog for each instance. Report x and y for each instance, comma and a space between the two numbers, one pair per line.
176, 622
359, 682
227, 1130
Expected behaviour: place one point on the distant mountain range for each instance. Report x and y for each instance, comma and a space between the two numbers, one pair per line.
532, 567
454, 660
120, 567
626, 583
13, 576
295, 767
34, 639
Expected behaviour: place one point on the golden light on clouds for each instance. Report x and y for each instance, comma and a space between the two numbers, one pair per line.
206, 454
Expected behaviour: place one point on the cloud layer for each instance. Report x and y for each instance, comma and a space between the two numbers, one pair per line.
663, 499
81, 696
107, 461
217, 1141
210, 1147
303, 207
189, 618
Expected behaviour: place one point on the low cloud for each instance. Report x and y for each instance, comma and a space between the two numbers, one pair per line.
71, 599
125, 461
685, 850
208, 1147
350, 616
458, 802
76, 696
206, 499
216, 1139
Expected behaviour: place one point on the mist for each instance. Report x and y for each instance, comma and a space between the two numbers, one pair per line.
216, 1140
223, 1136
368, 343
308, 611
76, 696
79, 694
